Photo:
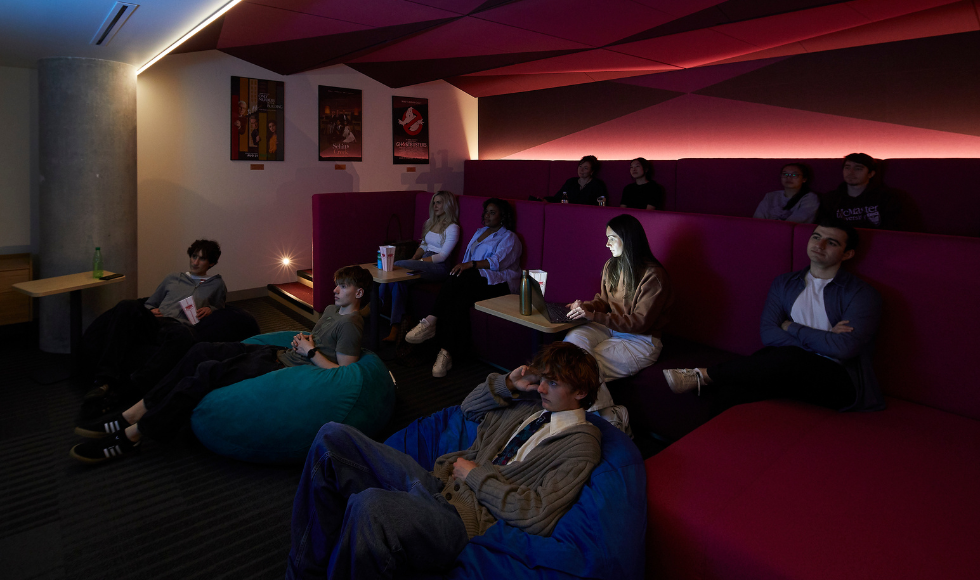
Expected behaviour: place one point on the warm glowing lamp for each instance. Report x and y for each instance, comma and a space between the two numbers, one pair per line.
285, 261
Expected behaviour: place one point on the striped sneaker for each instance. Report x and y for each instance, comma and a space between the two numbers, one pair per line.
102, 427
98, 451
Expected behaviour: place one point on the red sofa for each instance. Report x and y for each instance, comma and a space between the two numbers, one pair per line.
774, 489
937, 194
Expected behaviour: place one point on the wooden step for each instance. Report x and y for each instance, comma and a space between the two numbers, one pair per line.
305, 277
297, 296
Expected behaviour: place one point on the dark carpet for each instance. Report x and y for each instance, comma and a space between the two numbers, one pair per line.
173, 511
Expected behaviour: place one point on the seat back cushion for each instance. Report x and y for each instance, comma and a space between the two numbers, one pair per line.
600, 537
274, 417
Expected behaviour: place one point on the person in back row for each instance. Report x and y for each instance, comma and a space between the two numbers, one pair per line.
365, 510
585, 189
491, 267
334, 342
644, 192
818, 326
795, 202
860, 202
627, 315
112, 336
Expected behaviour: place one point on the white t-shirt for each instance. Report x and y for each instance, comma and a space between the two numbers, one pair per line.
434, 242
809, 309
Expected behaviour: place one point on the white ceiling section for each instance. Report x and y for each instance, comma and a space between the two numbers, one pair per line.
34, 29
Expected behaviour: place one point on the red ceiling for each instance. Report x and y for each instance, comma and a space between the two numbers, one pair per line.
491, 47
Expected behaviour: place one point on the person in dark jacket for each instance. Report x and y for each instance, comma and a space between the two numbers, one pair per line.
586, 189
818, 326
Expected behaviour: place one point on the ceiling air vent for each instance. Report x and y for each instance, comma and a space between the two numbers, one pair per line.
113, 22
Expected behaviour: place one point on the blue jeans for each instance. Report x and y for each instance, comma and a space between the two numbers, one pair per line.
363, 510
431, 272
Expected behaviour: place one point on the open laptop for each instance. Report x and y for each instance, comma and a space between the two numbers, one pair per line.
555, 312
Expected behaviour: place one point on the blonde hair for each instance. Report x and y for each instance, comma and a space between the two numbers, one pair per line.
449, 217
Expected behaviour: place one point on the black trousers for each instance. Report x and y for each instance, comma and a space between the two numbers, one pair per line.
112, 340
206, 366
456, 297
783, 372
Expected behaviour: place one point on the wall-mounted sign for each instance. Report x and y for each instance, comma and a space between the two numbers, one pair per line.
341, 127
256, 119
410, 130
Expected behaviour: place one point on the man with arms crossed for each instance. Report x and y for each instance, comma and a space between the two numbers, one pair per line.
334, 342
818, 327
365, 510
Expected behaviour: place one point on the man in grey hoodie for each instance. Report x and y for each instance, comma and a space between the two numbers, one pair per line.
159, 320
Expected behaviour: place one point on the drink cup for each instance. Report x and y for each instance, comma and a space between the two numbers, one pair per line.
541, 277
387, 258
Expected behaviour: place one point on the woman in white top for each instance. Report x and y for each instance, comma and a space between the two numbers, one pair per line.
795, 203
439, 236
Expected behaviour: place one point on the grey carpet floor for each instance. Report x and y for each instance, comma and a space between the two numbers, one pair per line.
173, 511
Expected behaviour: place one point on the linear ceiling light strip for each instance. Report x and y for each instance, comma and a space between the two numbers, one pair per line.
184, 38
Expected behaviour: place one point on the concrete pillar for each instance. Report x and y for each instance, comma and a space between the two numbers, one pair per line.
87, 197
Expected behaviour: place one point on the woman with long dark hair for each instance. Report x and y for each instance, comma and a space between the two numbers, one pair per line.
627, 315
490, 267
644, 192
795, 202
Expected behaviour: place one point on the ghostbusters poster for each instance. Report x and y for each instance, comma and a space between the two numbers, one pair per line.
256, 119
410, 130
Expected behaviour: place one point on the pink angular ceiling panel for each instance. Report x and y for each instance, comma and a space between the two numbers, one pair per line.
678, 8
457, 6
883, 9
470, 37
948, 19
254, 24
694, 79
488, 86
793, 26
687, 49
368, 13
699, 126
775, 52
588, 61
584, 21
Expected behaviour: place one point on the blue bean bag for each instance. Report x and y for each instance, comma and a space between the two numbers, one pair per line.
274, 417
602, 536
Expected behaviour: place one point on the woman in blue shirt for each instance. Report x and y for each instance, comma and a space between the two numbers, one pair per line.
490, 268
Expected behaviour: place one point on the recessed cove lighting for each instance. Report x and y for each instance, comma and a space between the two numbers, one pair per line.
184, 38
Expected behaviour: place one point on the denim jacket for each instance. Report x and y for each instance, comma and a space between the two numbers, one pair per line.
846, 297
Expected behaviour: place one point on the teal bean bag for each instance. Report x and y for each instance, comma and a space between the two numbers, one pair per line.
274, 418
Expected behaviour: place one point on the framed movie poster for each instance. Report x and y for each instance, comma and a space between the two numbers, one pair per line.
410, 129
256, 119
340, 124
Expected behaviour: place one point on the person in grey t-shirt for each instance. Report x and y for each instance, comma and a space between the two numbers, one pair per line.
334, 342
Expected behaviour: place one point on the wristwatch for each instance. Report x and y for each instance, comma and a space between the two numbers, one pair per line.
312, 353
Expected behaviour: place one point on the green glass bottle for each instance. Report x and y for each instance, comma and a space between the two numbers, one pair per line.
97, 263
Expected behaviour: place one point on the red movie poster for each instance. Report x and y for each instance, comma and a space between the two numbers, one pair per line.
410, 130
340, 124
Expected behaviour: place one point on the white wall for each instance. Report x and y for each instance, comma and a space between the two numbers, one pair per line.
189, 188
18, 163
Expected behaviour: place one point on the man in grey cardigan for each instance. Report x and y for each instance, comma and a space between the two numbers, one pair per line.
365, 510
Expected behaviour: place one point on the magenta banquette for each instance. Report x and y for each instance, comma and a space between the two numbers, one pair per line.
774, 489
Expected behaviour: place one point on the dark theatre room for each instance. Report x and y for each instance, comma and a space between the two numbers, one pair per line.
606, 289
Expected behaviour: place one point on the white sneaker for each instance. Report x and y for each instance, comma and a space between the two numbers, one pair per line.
444, 362
683, 380
618, 417
422, 332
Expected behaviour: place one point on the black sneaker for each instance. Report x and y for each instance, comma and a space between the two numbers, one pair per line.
98, 451
98, 393
103, 427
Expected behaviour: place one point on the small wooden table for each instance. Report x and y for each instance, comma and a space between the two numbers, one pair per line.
398, 274
508, 307
73, 284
